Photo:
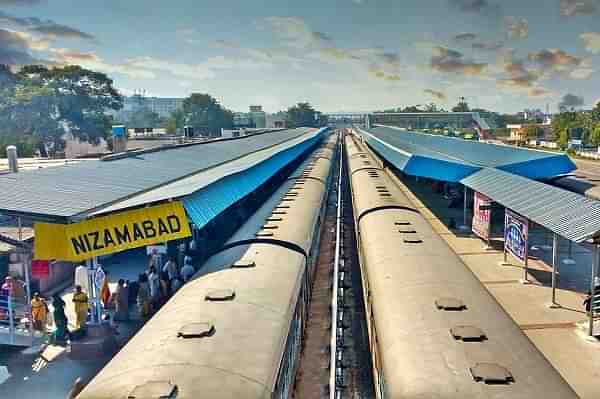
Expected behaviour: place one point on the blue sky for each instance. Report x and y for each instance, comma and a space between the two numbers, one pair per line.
337, 54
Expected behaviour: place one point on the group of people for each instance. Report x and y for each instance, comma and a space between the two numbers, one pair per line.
159, 283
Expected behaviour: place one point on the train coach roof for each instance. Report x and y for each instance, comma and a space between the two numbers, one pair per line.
239, 354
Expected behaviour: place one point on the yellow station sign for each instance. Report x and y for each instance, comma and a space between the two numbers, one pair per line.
109, 234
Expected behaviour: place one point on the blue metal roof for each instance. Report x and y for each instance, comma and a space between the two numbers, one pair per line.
67, 191
206, 204
452, 159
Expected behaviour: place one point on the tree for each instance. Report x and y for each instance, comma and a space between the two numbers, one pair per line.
175, 121
462, 106
561, 123
204, 113
595, 135
596, 113
47, 103
411, 109
301, 115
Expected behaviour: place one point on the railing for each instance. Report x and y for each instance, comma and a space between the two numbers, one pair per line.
588, 154
337, 314
15, 322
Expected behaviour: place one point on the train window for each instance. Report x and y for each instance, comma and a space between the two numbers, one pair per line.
220, 295
468, 334
197, 330
491, 373
450, 304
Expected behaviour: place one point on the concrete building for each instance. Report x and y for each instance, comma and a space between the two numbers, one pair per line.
518, 133
163, 106
258, 116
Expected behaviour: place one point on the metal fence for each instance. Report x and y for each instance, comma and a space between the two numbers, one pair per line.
15, 322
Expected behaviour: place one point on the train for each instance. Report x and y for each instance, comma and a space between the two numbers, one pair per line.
236, 329
434, 330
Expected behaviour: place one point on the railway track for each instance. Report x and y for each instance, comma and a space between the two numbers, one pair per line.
352, 374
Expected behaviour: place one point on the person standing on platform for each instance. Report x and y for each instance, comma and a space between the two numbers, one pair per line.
188, 270
143, 296
172, 270
121, 300
154, 285
60, 320
81, 301
39, 313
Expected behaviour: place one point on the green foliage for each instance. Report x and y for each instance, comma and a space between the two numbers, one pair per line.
596, 113
44, 104
301, 115
205, 114
595, 135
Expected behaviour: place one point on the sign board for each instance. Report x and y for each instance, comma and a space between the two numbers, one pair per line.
118, 131
40, 269
156, 249
113, 233
516, 231
482, 212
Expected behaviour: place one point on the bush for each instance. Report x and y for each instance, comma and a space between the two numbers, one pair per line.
571, 152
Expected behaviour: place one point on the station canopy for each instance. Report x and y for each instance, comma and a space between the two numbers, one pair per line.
512, 177
452, 159
72, 193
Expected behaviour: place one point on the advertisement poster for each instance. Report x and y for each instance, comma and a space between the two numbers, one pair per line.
516, 229
481, 216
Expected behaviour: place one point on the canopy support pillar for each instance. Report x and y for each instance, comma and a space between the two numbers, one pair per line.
555, 263
593, 290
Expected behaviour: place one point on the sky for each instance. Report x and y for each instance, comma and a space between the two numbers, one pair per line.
339, 55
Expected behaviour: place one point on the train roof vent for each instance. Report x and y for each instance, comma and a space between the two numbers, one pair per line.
274, 219
450, 304
264, 234
415, 239
468, 334
380, 187
154, 390
243, 264
407, 231
220, 295
199, 329
491, 373
279, 213
402, 223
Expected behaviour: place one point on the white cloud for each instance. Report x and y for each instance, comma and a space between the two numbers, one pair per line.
592, 41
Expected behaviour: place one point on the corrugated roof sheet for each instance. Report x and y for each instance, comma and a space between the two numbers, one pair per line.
569, 215
200, 180
68, 191
472, 155
206, 204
